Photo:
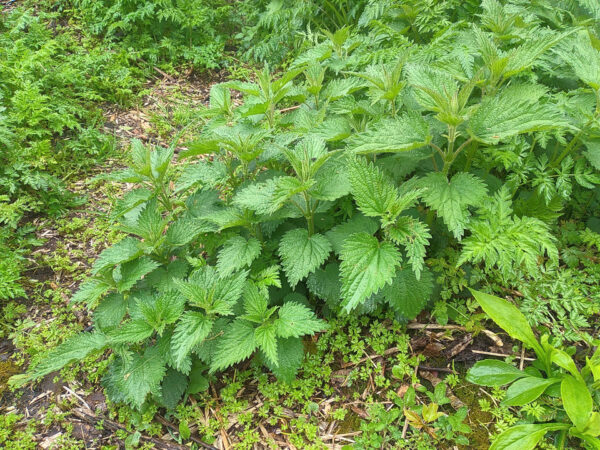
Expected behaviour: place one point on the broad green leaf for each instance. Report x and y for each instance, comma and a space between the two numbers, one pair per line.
515, 110
509, 318
452, 199
267, 342
131, 332
110, 312
373, 191
172, 388
123, 251
138, 376
290, 353
237, 344
564, 360
90, 291
131, 272
297, 320
577, 401
492, 372
408, 132
184, 231
356, 224
525, 437
408, 295
526, 390
367, 266
302, 254
191, 329
236, 254
74, 348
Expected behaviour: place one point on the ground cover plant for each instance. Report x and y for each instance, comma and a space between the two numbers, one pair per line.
397, 156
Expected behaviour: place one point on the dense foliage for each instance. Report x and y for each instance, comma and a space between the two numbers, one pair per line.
402, 152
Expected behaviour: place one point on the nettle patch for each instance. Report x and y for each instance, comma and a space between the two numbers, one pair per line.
327, 191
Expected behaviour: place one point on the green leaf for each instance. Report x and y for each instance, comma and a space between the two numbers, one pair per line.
492, 372
161, 310
290, 354
172, 388
267, 342
525, 437
191, 329
236, 254
184, 231
110, 312
577, 401
130, 273
451, 199
301, 254
237, 344
408, 295
509, 318
297, 320
515, 110
526, 390
414, 236
140, 375
408, 132
123, 251
367, 266
356, 224
90, 291
131, 332
205, 173
73, 349
373, 191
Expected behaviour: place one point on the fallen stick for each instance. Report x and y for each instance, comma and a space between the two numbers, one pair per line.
481, 352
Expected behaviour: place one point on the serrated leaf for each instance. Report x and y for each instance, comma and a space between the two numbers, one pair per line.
290, 353
297, 320
356, 224
451, 199
408, 295
131, 332
172, 388
131, 272
236, 254
190, 330
325, 283
367, 266
204, 173
73, 349
515, 110
373, 191
90, 291
301, 254
408, 132
184, 231
123, 251
139, 376
414, 236
237, 344
110, 312
267, 342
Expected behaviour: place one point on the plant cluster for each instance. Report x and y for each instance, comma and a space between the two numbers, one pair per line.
172, 32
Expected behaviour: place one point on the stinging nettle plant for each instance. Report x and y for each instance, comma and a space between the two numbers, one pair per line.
326, 191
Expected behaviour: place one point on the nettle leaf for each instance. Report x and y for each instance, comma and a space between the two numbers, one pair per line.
301, 254
266, 340
434, 88
161, 310
408, 132
515, 110
135, 378
237, 344
123, 251
90, 291
73, 349
131, 332
184, 231
367, 266
290, 354
236, 254
110, 312
256, 303
128, 274
325, 283
172, 388
148, 224
414, 236
356, 224
584, 59
408, 295
297, 320
204, 173
331, 181
451, 199
374, 192
190, 330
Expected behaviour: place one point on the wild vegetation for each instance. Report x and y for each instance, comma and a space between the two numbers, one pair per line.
367, 172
